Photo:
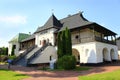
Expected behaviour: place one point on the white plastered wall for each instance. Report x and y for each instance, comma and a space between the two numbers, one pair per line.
87, 52
92, 52
99, 50
16, 49
49, 35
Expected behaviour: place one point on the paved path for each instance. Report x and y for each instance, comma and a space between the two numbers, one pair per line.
61, 75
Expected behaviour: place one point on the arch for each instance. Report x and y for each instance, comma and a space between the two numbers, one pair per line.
43, 42
105, 54
75, 52
112, 54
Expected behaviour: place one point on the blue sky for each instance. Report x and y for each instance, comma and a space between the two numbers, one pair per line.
24, 16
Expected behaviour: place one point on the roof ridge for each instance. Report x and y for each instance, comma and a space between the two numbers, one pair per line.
71, 15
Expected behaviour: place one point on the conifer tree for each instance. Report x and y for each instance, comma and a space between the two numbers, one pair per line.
12, 52
63, 42
59, 46
68, 42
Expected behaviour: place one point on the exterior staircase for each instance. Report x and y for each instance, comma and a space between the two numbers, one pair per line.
37, 53
25, 58
21, 59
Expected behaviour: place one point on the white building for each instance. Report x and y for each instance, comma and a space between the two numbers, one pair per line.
91, 42
15, 43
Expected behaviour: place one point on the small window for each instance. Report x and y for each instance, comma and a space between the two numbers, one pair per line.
14, 46
76, 37
50, 58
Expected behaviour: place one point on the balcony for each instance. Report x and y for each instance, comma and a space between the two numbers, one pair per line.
92, 39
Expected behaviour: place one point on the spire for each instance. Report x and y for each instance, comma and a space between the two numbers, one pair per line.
52, 11
52, 22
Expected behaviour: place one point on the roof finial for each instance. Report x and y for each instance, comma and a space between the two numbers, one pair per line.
52, 11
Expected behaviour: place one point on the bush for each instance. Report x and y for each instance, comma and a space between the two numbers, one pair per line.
3, 58
66, 62
12, 57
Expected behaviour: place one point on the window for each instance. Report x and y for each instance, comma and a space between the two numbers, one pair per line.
50, 58
76, 37
14, 46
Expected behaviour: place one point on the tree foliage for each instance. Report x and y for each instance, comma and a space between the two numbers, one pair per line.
64, 43
13, 51
68, 45
4, 51
65, 59
59, 45
66, 62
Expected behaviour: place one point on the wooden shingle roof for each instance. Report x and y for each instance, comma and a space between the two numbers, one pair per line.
74, 21
52, 22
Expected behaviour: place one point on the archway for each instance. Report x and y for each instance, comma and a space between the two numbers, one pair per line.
112, 54
105, 55
75, 52
43, 42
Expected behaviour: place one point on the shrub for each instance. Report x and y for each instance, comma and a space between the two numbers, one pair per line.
3, 58
12, 57
66, 62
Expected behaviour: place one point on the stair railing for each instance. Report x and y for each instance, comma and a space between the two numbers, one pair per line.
23, 54
38, 52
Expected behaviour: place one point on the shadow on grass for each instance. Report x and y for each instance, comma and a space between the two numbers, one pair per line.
20, 75
4, 70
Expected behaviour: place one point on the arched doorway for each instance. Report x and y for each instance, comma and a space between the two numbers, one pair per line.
105, 55
43, 42
75, 52
112, 54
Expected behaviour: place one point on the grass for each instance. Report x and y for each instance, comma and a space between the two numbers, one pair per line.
78, 68
11, 75
115, 75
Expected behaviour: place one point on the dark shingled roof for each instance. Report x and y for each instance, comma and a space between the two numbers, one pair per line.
52, 22
74, 21
29, 38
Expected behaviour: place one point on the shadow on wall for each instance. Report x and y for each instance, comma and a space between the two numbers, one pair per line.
91, 57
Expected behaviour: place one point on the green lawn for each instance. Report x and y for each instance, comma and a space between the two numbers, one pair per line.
10, 75
115, 75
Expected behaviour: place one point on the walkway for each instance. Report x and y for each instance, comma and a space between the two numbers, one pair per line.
61, 75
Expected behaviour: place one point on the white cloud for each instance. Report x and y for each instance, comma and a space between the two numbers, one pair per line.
17, 19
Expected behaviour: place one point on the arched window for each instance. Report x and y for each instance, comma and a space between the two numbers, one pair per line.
50, 58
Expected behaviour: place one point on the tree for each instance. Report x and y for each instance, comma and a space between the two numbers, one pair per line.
65, 58
64, 43
6, 52
59, 45
63, 38
68, 41
13, 51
